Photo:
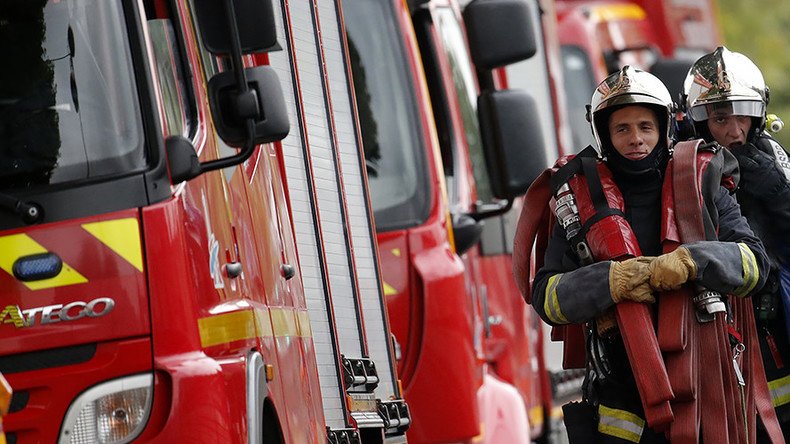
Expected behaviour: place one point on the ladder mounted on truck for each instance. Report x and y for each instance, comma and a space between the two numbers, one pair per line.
332, 219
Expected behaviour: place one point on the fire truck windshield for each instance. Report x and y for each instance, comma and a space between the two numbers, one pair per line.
388, 115
68, 101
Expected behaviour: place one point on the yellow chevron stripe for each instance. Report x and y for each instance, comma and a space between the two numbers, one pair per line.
234, 326
121, 236
17, 245
389, 290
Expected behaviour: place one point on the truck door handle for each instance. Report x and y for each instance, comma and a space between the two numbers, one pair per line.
233, 269
287, 271
494, 319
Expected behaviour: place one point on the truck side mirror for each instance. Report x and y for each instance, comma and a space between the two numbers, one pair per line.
500, 32
263, 102
254, 19
512, 141
247, 103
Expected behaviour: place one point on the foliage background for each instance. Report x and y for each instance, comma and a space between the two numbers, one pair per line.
761, 31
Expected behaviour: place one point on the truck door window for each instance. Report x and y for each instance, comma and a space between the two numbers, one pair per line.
177, 104
579, 82
210, 63
388, 115
423, 28
173, 70
68, 101
466, 87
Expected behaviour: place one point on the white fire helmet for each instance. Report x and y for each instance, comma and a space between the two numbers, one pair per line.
629, 86
724, 83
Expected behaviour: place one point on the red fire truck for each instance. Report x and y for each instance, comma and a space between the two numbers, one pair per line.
186, 240
440, 145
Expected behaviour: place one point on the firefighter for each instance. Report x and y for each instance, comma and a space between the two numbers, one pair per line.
726, 100
631, 118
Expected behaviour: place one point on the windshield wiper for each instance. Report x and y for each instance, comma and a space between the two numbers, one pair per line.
31, 212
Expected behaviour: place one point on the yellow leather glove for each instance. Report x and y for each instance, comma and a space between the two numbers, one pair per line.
670, 271
628, 280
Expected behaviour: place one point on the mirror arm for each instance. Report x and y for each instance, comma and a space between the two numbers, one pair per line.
498, 209
485, 78
236, 159
241, 77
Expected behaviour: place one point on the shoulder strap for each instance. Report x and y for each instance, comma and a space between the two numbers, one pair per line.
595, 187
574, 166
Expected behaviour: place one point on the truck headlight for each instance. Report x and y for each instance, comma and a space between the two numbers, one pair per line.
113, 412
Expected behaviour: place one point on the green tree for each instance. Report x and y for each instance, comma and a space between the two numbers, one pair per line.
759, 31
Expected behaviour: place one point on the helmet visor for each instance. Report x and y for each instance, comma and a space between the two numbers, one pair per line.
738, 108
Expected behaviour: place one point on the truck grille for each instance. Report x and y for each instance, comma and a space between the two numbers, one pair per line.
37, 360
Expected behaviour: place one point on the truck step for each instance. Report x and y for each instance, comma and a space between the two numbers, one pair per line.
359, 374
343, 436
397, 417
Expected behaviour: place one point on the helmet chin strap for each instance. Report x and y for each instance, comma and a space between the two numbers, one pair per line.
758, 125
